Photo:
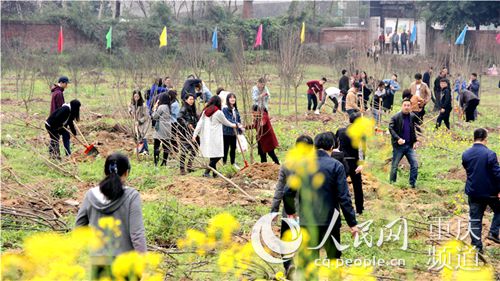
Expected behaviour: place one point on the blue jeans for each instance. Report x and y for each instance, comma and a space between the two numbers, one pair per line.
398, 152
377, 114
477, 206
145, 146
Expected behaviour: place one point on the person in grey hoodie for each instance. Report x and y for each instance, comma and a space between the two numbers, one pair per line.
113, 199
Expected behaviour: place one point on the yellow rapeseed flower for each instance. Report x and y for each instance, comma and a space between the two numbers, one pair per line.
110, 225
360, 130
301, 159
317, 180
294, 182
222, 226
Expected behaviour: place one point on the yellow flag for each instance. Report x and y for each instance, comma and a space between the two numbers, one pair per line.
163, 37
303, 33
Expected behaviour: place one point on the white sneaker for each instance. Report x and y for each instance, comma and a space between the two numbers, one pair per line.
236, 167
316, 112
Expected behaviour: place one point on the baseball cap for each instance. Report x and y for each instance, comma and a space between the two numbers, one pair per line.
63, 79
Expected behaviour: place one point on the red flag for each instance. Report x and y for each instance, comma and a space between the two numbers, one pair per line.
498, 38
258, 38
60, 41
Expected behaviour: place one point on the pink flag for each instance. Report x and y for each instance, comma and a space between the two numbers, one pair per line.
258, 38
498, 38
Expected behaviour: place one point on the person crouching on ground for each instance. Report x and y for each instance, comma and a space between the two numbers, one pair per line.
58, 122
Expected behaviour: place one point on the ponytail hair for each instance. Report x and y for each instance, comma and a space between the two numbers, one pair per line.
116, 165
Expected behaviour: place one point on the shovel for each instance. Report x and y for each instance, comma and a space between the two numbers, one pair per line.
242, 153
89, 148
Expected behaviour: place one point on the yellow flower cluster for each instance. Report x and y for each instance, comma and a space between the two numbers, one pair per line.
459, 263
135, 266
361, 130
54, 256
110, 225
219, 231
236, 259
303, 163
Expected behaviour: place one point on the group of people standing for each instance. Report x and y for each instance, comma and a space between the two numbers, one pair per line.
392, 41
215, 130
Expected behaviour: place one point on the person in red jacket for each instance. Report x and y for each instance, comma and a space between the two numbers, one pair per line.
315, 91
56, 101
266, 139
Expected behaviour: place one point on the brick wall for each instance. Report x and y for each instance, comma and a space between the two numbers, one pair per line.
345, 37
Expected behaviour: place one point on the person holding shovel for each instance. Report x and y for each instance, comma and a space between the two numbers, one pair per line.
139, 111
57, 123
231, 113
163, 128
266, 139
56, 101
314, 92
209, 128
187, 122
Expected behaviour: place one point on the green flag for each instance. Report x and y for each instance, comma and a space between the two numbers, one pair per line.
108, 38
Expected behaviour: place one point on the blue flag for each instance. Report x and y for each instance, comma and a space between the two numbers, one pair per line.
215, 44
461, 37
413, 36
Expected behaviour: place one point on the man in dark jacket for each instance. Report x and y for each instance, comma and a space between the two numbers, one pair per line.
404, 42
190, 87
56, 101
427, 76
437, 88
482, 187
474, 84
279, 193
344, 87
468, 103
319, 206
445, 104
404, 138
353, 157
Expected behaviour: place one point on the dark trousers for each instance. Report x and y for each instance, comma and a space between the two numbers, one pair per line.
284, 227
395, 46
54, 141
444, 116
312, 101
404, 48
186, 156
470, 109
437, 100
421, 114
398, 151
334, 100
229, 147
174, 144
317, 236
477, 206
357, 185
164, 144
213, 164
263, 155
343, 103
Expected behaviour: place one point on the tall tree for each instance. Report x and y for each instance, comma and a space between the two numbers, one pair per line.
454, 15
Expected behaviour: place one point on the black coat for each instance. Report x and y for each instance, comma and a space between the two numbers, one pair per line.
346, 145
340, 156
344, 84
396, 128
465, 98
445, 99
61, 118
188, 87
427, 78
186, 118
317, 205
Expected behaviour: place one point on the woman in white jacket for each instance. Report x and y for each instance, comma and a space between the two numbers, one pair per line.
209, 128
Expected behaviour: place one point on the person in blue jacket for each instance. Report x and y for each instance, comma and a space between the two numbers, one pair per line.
232, 114
392, 86
156, 89
482, 187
